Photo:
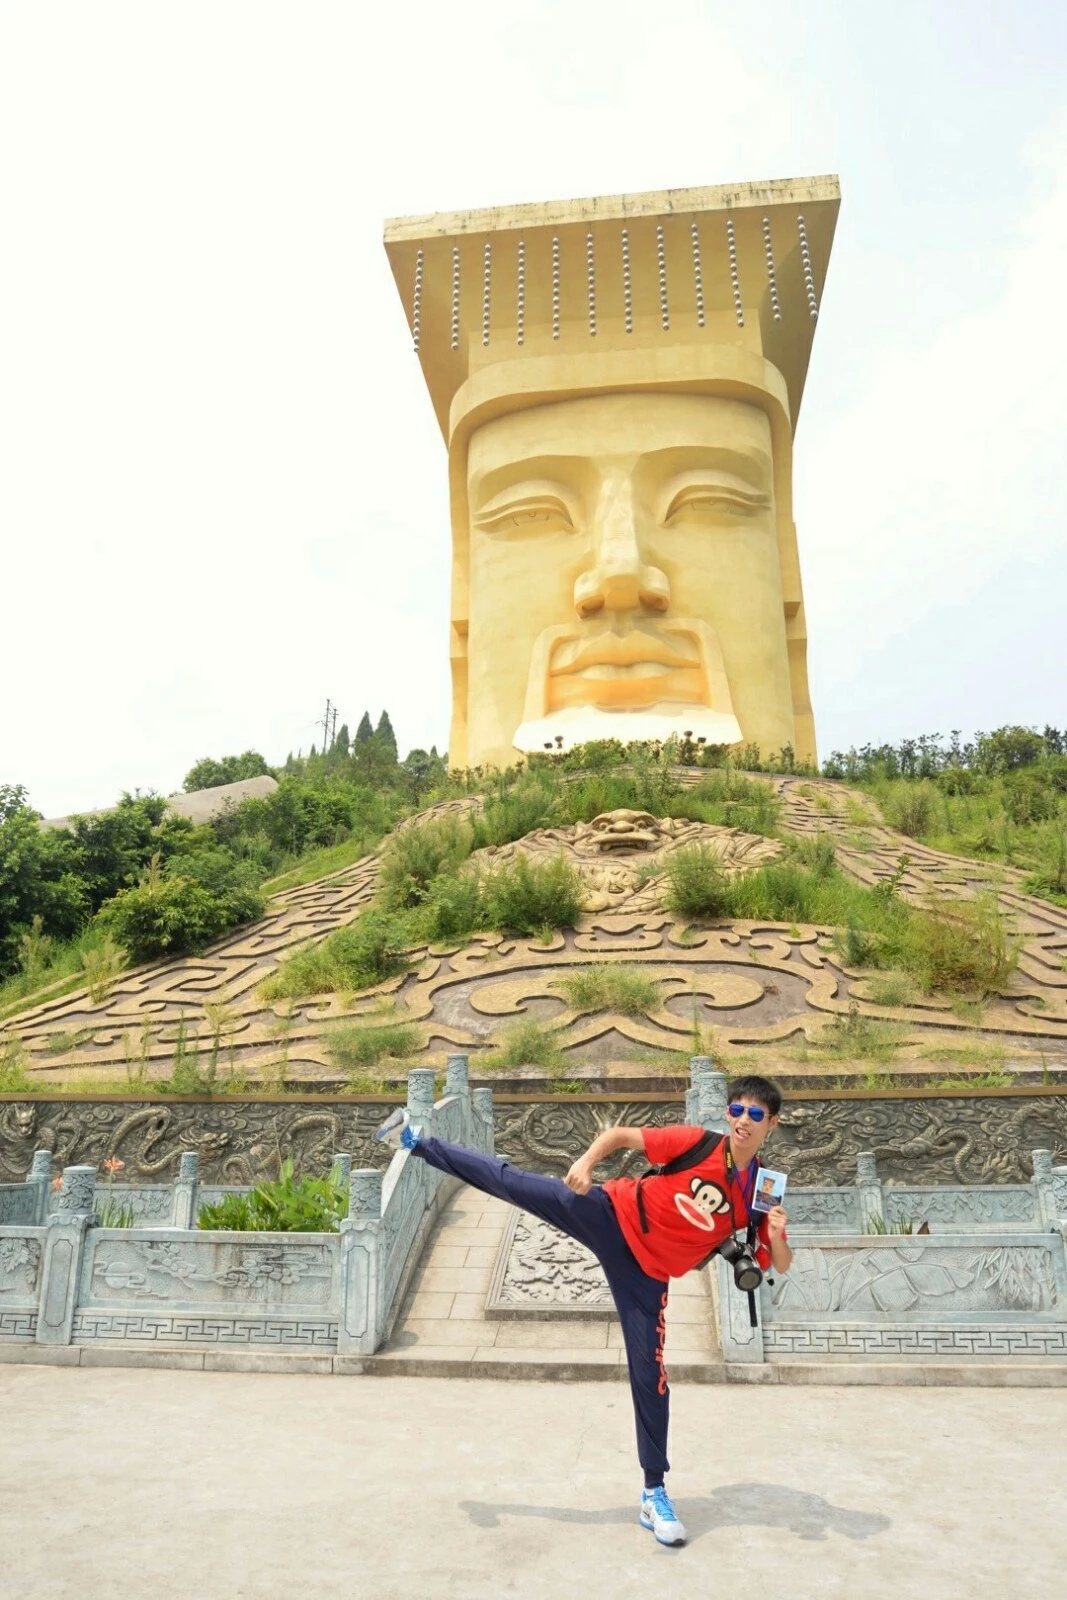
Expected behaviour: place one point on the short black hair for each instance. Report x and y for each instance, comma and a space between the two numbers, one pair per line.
762, 1090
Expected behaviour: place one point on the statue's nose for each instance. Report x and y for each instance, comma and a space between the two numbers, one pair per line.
619, 579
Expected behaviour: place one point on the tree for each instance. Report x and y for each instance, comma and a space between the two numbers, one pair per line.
419, 771
365, 731
210, 774
38, 880
342, 742
386, 737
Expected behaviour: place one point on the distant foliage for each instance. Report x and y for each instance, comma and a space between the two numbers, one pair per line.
956, 946
209, 774
366, 952
1005, 750
175, 915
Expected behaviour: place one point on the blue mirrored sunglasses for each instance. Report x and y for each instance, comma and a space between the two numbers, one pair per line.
756, 1113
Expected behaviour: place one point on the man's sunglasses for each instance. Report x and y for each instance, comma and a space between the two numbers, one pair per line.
756, 1113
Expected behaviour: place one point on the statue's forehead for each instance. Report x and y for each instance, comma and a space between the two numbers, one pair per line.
637, 423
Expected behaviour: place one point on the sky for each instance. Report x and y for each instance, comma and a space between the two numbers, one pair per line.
222, 490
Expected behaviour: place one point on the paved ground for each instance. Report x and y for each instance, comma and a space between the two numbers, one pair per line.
212, 1486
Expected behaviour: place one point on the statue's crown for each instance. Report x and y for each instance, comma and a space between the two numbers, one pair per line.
740, 264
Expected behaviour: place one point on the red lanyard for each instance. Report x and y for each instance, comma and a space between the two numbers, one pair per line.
746, 1185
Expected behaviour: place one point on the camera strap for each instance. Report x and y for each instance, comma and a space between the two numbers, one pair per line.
698, 1152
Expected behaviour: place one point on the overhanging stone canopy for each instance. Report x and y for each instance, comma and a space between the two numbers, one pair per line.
735, 263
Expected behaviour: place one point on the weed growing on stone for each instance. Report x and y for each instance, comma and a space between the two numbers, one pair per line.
891, 989
357, 1046
609, 986
14, 1078
526, 1044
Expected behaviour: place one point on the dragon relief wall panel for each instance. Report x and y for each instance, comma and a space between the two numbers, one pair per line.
916, 1139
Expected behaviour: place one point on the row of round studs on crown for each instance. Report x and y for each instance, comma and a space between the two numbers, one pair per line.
627, 282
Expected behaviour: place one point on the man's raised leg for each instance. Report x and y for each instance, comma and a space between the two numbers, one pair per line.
579, 1215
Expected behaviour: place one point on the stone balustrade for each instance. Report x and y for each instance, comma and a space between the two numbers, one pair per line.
66, 1279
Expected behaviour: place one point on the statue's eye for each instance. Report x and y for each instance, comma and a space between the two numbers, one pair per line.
531, 514
727, 499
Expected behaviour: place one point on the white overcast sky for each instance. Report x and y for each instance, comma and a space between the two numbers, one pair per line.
222, 490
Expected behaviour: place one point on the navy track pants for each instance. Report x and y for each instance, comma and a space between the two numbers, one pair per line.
590, 1218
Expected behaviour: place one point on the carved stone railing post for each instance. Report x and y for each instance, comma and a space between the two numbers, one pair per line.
711, 1101
698, 1067
872, 1196
62, 1254
482, 1107
183, 1213
421, 1096
40, 1177
457, 1076
341, 1163
1050, 1188
360, 1312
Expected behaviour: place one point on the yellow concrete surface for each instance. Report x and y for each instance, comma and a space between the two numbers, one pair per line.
618, 381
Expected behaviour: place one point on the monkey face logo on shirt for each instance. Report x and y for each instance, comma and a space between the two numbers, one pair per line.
704, 1202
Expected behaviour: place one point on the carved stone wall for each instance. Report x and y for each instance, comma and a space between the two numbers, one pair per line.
917, 1139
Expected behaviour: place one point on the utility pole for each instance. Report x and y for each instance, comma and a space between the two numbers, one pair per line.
325, 721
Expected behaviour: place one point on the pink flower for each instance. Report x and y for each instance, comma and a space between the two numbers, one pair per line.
57, 1182
113, 1164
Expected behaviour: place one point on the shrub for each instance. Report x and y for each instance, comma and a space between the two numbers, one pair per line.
697, 886
14, 1078
288, 1205
963, 945
173, 915
415, 856
1026, 797
610, 986
454, 906
893, 989
817, 854
781, 891
102, 962
524, 896
531, 804
1050, 878
526, 1044
354, 1046
911, 808
366, 952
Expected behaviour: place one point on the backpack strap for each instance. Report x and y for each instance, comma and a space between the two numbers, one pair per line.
697, 1152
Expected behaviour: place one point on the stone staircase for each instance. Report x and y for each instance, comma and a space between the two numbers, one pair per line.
445, 1330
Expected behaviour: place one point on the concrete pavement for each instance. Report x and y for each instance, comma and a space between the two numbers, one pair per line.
223, 1486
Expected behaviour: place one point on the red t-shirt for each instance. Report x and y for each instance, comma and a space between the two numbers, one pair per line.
688, 1213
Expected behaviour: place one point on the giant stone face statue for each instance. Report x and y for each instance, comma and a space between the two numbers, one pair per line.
620, 453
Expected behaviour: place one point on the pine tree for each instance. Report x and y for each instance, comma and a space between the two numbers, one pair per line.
365, 730
342, 742
386, 737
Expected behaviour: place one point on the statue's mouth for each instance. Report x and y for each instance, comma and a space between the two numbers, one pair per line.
626, 651
641, 682
626, 671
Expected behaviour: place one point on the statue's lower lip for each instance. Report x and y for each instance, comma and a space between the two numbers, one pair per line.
621, 653
617, 669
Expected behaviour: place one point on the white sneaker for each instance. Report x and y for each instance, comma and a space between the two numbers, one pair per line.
658, 1513
393, 1129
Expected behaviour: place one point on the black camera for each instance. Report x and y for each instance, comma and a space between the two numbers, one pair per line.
747, 1273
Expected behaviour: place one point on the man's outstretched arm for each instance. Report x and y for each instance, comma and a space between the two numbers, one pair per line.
580, 1177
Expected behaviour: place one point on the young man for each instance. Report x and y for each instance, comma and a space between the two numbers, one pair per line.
643, 1231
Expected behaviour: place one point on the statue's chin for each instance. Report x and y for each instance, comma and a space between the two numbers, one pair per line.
582, 724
